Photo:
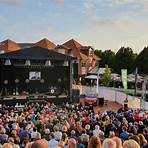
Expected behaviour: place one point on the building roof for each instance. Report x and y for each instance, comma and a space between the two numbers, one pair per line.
75, 46
83, 56
35, 53
63, 47
72, 44
45, 43
85, 48
9, 45
96, 57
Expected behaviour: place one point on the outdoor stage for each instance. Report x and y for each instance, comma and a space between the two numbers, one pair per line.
35, 73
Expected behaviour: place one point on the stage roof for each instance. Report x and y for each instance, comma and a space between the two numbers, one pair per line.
35, 53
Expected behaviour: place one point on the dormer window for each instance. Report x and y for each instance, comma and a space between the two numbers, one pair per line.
62, 51
91, 52
83, 64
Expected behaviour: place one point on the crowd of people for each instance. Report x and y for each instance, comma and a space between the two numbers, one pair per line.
71, 126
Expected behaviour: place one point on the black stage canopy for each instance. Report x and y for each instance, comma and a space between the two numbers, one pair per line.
36, 53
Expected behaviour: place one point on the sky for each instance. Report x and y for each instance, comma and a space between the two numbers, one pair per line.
103, 24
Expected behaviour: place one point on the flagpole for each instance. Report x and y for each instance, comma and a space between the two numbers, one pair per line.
142, 103
136, 75
97, 87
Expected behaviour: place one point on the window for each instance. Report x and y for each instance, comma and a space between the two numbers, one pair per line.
83, 64
62, 51
91, 52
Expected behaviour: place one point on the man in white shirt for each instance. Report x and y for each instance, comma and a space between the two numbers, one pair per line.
98, 133
57, 133
52, 142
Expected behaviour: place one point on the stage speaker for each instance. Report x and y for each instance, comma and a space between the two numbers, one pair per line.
75, 70
75, 95
101, 101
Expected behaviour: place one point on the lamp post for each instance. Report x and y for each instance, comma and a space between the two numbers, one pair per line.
114, 79
97, 87
136, 75
142, 100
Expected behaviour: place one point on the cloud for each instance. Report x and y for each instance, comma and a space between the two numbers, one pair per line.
90, 7
57, 1
2, 20
113, 22
11, 2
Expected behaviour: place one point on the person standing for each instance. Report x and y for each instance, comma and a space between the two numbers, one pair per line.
126, 103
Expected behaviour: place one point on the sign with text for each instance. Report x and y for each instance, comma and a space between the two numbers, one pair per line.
124, 77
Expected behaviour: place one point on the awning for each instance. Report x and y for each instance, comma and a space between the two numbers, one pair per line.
91, 77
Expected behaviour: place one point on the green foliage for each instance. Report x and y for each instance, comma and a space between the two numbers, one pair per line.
107, 58
142, 61
124, 59
107, 76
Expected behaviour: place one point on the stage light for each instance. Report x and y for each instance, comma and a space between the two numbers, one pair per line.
47, 63
59, 80
27, 81
27, 63
5, 82
17, 81
42, 80
7, 62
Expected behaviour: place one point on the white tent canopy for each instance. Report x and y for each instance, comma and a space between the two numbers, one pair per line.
91, 77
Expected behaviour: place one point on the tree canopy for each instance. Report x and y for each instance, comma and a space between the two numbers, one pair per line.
107, 58
106, 76
142, 61
124, 59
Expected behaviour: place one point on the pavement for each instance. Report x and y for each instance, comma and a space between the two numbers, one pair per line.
113, 106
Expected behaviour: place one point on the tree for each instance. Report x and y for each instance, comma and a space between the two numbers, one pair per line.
107, 57
124, 59
106, 76
142, 61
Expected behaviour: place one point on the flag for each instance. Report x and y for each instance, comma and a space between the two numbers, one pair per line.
124, 77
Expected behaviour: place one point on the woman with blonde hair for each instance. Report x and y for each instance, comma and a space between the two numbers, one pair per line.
63, 141
118, 142
94, 142
109, 143
40, 144
7, 145
29, 145
131, 144
37, 136
143, 141
72, 143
